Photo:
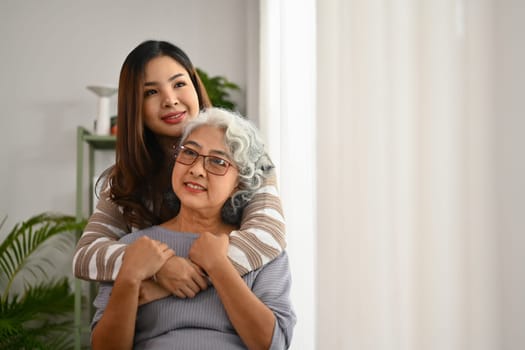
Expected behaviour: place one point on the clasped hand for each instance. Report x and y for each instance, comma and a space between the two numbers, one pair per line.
185, 277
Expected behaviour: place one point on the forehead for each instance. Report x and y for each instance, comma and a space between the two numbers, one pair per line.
159, 68
208, 137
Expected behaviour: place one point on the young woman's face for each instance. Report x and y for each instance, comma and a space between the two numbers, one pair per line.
170, 99
196, 187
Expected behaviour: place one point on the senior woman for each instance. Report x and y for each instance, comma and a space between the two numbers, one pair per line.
220, 165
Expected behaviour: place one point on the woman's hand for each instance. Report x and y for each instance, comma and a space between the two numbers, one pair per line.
151, 291
143, 258
210, 251
251, 318
181, 277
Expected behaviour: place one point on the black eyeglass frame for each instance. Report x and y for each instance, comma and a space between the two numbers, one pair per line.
205, 162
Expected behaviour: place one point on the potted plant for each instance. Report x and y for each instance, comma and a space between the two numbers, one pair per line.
41, 316
219, 89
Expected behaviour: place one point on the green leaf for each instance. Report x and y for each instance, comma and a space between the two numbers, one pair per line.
35, 319
218, 89
25, 238
41, 317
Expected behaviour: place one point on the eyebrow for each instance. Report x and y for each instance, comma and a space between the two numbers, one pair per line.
214, 152
150, 83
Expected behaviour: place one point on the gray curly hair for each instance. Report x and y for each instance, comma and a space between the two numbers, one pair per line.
247, 153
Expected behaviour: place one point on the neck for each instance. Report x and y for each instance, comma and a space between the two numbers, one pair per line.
198, 222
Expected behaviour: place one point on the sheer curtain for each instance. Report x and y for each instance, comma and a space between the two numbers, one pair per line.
287, 119
402, 249
406, 239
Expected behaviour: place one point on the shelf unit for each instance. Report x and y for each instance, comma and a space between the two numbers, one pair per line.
94, 143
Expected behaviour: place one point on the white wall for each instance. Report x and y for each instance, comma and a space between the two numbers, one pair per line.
50, 51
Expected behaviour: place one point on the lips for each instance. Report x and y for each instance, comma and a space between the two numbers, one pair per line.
174, 117
194, 187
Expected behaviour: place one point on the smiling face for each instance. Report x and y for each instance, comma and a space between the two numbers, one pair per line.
170, 99
196, 188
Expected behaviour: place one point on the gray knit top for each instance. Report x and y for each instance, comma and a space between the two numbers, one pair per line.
201, 322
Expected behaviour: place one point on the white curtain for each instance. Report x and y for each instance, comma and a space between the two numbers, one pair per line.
287, 119
388, 186
405, 228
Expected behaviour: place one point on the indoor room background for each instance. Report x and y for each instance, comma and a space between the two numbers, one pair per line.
396, 127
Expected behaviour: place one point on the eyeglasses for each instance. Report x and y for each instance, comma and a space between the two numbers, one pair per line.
212, 164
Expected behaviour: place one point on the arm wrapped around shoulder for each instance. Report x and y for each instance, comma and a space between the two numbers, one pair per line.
261, 237
98, 255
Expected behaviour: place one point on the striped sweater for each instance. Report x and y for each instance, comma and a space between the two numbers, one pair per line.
260, 239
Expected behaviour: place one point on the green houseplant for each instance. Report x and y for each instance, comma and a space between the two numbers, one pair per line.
219, 89
41, 316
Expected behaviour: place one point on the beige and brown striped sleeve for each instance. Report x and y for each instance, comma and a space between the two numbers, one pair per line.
98, 255
261, 237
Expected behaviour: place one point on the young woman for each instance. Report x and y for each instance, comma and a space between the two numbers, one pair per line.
220, 165
159, 92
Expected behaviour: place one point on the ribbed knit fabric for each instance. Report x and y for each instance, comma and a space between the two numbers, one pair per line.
201, 322
261, 237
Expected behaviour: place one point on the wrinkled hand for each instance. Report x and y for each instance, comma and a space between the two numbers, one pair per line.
209, 250
181, 277
151, 291
143, 258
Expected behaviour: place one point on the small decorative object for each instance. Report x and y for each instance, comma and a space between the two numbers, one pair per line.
103, 121
114, 125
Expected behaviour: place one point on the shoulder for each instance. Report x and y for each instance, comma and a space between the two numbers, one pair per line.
281, 260
276, 268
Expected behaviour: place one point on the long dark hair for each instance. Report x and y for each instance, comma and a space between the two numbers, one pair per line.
137, 182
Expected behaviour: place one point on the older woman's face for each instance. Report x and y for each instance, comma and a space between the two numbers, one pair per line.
196, 187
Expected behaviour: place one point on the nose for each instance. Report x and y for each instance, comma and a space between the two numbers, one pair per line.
170, 99
197, 168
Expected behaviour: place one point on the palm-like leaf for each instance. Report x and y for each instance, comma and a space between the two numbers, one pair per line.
46, 298
41, 316
25, 238
27, 320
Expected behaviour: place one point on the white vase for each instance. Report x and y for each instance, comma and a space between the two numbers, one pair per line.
103, 121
